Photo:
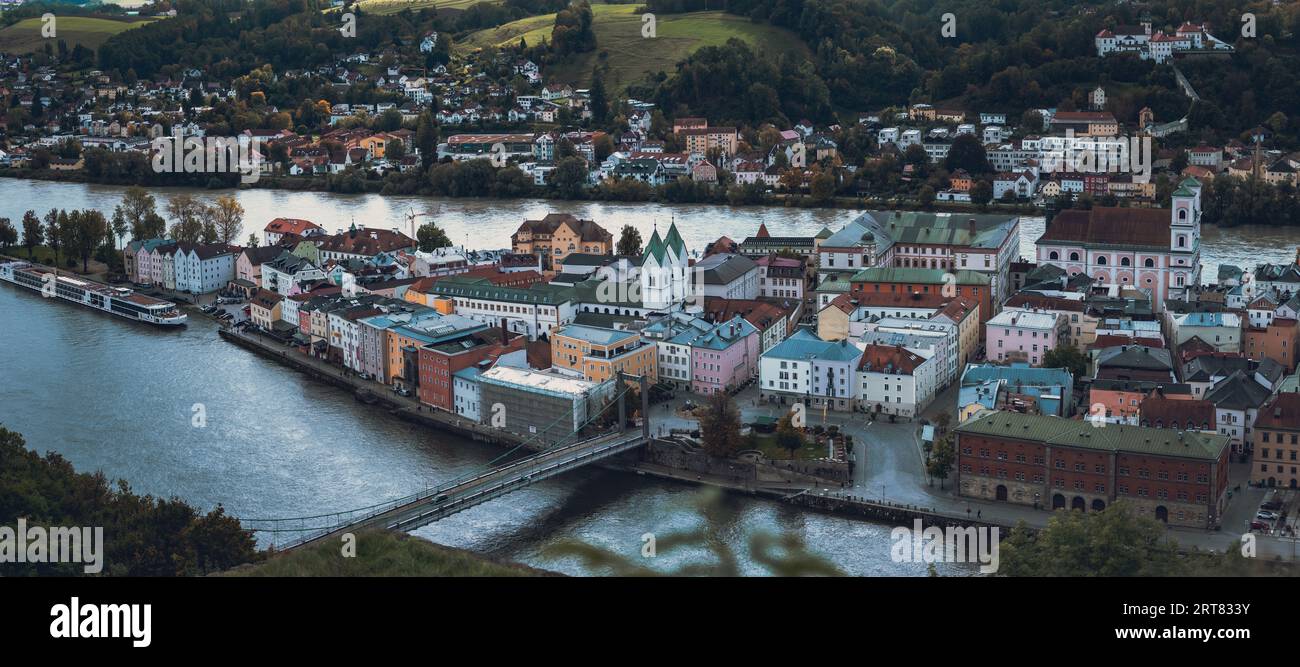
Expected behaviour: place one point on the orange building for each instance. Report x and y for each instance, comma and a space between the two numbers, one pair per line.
1121, 400
1279, 341
599, 354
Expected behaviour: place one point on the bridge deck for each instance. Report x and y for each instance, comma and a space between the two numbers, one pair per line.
465, 493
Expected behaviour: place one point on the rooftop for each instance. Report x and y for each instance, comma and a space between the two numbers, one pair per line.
1081, 434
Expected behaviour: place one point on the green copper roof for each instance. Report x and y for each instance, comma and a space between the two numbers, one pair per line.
1190, 182
654, 248
1182, 191
825, 233
919, 276
1110, 437
674, 241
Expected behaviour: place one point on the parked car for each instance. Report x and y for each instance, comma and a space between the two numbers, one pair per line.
1266, 515
363, 376
1272, 505
1258, 525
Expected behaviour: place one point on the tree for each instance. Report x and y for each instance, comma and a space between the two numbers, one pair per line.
187, 218
1067, 357
431, 237
981, 193
85, 231
789, 436
598, 99
426, 139
33, 233
119, 225
1112, 543
228, 218
720, 425
394, 151
143, 535
822, 187
967, 153
941, 459
569, 177
253, 241
54, 231
629, 242
8, 234
136, 206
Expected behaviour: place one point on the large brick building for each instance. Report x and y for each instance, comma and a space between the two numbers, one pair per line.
1178, 477
922, 284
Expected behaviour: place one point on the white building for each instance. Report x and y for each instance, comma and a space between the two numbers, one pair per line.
202, 269
465, 393
893, 380
284, 273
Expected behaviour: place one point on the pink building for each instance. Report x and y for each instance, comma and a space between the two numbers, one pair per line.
1016, 335
724, 356
249, 265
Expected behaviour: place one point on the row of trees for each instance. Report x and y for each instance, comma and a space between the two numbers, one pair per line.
79, 233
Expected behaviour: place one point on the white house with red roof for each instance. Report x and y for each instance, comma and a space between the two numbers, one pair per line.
277, 228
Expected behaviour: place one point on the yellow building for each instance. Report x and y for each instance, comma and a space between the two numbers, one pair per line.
264, 308
599, 354
833, 320
559, 235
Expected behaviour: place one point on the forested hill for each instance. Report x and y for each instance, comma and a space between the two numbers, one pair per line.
1010, 55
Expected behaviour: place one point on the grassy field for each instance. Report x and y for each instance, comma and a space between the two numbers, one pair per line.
631, 56
25, 35
384, 554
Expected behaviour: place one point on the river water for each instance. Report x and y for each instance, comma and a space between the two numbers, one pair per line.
488, 223
119, 397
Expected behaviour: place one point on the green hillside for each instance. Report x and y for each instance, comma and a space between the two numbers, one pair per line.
25, 35
384, 554
631, 56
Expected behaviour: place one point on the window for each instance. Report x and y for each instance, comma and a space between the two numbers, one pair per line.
1053, 255
1149, 263
1074, 257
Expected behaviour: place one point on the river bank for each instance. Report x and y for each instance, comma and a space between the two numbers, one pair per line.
322, 184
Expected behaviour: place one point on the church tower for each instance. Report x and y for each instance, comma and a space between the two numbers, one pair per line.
680, 264
1185, 216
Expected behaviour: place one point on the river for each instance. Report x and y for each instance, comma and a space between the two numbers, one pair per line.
488, 223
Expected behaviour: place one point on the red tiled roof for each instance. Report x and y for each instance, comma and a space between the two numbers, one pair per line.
290, 226
1110, 226
366, 242
1283, 412
889, 359
1176, 413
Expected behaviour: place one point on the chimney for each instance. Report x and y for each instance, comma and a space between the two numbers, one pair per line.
505, 333
971, 225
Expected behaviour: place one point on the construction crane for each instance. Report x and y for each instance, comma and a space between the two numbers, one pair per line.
411, 216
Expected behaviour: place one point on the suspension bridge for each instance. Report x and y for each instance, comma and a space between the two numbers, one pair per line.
500, 477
